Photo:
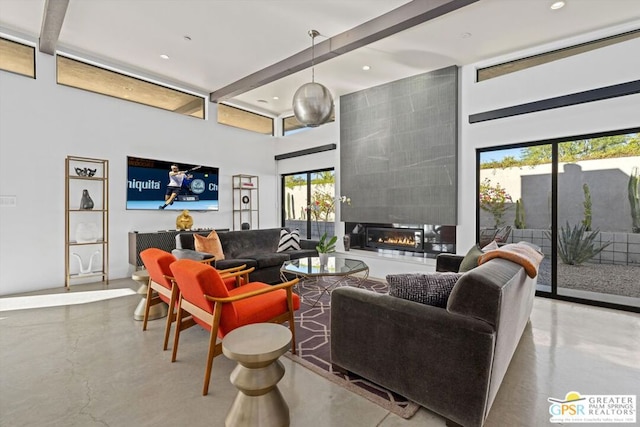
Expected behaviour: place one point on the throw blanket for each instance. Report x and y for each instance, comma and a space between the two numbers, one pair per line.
521, 254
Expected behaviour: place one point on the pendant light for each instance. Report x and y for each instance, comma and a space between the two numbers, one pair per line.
312, 102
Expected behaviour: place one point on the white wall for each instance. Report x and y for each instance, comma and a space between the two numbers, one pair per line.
41, 123
607, 66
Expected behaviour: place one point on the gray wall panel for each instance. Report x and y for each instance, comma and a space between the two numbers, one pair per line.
398, 151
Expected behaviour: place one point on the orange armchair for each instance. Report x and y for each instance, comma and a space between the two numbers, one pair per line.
157, 263
219, 310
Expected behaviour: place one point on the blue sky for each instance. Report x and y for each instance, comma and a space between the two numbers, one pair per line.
498, 155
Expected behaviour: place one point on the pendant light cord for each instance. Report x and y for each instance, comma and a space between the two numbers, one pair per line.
313, 34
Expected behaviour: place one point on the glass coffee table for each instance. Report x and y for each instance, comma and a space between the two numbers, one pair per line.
318, 280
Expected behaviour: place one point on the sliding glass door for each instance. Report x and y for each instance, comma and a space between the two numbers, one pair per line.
577, 199
598, 232
308, 202
515, 200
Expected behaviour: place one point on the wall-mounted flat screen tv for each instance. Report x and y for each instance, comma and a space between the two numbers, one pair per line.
152, 184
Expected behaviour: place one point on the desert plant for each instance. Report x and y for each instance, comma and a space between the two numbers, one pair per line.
494, 199
587, 207
634, 200
576, 245
326, 246
520, 221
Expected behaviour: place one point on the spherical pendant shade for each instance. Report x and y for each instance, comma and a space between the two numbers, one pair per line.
312, 104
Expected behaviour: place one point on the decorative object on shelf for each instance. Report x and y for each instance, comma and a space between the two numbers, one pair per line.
86, 203
86, 171
325, 247
184, 221
346, 240
312, 102
246, 202
87, 232
89, 268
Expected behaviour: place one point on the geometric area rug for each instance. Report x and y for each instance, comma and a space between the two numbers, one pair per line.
313, 348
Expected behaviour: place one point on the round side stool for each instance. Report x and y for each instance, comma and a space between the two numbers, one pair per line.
155, 311
257, 348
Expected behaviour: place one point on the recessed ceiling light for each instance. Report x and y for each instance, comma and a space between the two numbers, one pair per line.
366, 67
163, 56
263, 101
276, 97
466, 35
557, 5
187, 38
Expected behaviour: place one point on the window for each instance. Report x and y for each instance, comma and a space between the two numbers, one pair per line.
308, 202
106, 82
243, 119
524, 63
17, 58
576, 198
291, 125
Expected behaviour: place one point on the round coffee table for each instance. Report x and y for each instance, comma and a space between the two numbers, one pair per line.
257, 348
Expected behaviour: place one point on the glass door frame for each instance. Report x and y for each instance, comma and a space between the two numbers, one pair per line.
283, 212
555, 143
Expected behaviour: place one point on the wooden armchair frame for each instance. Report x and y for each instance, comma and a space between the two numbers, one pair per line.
213, 319
172, 295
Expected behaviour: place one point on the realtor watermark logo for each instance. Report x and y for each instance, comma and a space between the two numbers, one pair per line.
577, 408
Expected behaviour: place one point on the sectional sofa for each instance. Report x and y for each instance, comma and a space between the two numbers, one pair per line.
450, 360
255, 248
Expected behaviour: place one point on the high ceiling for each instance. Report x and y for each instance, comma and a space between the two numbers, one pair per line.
213, 43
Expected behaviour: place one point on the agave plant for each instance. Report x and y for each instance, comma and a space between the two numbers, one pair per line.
576, 245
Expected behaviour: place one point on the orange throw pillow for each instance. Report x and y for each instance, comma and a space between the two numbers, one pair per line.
210, 244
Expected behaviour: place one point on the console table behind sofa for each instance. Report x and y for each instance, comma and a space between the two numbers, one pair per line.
165, 240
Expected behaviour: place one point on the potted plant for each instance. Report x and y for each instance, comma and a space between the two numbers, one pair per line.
326, 246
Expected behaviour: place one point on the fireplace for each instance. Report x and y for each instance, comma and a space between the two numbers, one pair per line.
412, 240
394, 238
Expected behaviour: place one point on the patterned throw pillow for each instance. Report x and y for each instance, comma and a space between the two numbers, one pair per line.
210, 244
289, 241
425, 288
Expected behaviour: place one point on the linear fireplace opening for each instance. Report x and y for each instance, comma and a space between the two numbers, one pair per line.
424, 240
394, 238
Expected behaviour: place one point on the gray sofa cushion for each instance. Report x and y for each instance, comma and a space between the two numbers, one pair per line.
270, 260
431, 289
230, 263
247, 243
190, 254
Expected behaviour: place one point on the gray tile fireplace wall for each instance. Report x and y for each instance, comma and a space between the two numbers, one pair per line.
398, 151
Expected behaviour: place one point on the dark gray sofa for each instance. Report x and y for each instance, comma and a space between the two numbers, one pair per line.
451, 361
255, 248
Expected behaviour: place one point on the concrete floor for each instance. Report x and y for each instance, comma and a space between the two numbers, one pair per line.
91, 365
